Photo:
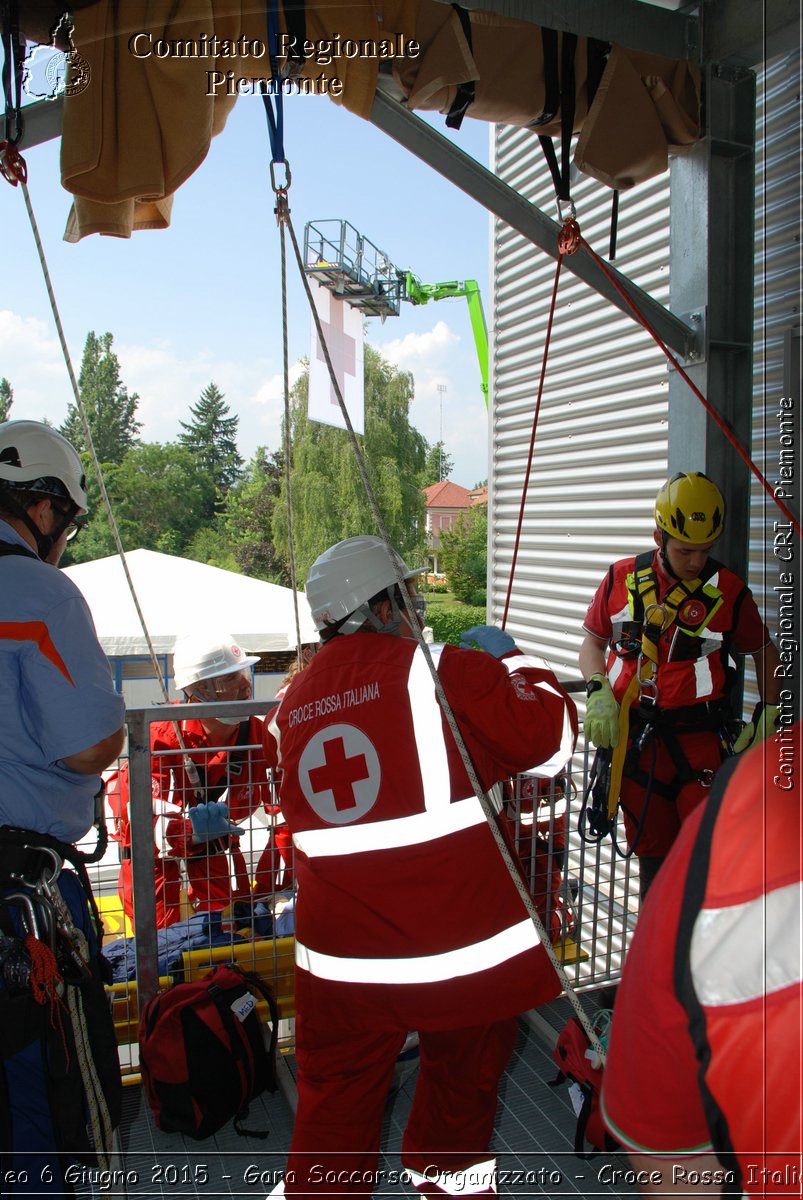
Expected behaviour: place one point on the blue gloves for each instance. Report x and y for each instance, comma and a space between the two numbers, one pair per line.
488, 638
210, 821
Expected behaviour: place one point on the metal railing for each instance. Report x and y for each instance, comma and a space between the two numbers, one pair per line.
586, 894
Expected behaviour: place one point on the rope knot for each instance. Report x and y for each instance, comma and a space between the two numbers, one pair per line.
45, 974
47, 985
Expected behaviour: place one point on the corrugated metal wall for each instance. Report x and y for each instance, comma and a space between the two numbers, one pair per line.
778, 297
601, 444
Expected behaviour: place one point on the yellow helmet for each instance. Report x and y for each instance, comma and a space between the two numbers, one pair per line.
691, 508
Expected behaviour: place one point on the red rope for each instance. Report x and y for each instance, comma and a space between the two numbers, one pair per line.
561, 254
729, 434
45, 981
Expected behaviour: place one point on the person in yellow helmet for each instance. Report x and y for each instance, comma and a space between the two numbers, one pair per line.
697, 614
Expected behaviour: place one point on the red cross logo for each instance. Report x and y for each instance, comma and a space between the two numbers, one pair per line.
339, 774
342, 348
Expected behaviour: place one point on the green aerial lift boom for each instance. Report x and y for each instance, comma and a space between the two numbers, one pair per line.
419, 293
352, 268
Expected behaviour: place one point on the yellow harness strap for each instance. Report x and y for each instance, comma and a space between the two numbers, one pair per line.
658, 617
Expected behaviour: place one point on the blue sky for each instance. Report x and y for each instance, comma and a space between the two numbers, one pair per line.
201, 301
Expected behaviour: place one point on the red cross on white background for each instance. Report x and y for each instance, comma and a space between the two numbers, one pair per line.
342, 348
339, 774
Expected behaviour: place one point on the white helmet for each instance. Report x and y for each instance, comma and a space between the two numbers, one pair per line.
348, 574
32, 455
207, 656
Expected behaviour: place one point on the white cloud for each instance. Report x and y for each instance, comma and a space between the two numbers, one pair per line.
166, 380
415, 350
31, 360
439, 359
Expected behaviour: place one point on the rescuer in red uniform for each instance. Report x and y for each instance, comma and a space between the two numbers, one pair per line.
695, 613
195, 812
704, 1072
407, 916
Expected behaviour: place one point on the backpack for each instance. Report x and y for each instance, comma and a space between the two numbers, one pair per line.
576, 1059
203, 1054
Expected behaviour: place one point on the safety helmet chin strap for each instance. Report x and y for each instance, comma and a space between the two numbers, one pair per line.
664, 557
364, 615
44, 541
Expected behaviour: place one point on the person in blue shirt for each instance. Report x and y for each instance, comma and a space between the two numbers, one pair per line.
61, 724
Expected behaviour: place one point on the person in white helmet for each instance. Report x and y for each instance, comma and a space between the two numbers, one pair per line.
196, 812
61, 724
407, 918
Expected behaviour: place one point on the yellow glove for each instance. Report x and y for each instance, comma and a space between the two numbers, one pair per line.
764, 722
602, 713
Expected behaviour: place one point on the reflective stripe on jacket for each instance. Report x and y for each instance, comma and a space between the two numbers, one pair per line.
738, 965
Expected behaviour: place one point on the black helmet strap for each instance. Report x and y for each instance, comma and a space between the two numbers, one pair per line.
44, 541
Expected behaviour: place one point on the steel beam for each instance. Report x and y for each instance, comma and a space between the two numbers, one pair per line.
41, 122
749, 33
628, 23
712, 207
502, 200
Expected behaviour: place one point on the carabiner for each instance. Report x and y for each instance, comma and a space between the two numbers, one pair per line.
280, 187
646, 686
653, 624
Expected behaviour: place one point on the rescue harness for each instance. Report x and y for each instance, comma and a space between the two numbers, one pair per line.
642, 722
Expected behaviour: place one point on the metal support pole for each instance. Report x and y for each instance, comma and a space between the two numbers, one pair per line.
712, 207
140, 815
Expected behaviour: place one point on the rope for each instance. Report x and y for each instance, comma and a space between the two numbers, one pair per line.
484, 800
47, 985
99, 1117
532, 438
282, 215
79, 403
709, 408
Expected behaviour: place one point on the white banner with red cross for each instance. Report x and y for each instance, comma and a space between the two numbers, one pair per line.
342, 331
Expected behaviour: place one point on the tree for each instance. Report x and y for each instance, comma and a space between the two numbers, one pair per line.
248, 519
212, 546
212, 436
6, 398
111, 412
439, 465
464, 555
329, 500
159, 495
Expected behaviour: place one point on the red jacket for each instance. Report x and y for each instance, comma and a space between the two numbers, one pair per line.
741, 982
711, 999
237, 776
692, 652
401, 884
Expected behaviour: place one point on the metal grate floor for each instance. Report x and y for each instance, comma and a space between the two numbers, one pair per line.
534, 1140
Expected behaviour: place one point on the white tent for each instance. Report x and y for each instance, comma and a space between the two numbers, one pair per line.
178, 596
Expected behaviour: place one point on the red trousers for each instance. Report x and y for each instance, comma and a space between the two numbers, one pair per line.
664, 816
345, 1067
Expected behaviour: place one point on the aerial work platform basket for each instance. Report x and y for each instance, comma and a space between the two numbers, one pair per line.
350, 266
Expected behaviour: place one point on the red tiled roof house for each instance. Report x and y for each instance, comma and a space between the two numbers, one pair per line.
445, 503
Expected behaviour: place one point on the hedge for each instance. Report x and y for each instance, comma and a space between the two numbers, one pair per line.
447, 623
